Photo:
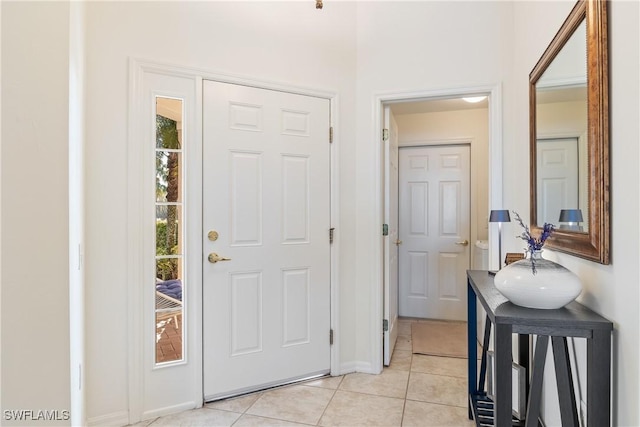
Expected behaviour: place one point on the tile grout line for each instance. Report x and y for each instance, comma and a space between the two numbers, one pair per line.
335, 391
412, 359
406, 391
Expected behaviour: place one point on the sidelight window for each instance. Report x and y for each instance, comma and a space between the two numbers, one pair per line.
169, 286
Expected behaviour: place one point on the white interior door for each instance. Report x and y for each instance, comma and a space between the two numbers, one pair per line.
557, 177
434, 228
391, 241
266, 186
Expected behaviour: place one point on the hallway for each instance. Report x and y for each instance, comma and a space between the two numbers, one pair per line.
415, 390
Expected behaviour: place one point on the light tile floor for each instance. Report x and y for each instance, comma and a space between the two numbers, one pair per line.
415, 390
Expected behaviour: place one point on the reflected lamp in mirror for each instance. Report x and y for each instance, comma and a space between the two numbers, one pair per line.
499, 216
571, 219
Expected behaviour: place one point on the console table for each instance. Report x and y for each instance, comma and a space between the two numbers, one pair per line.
573, 320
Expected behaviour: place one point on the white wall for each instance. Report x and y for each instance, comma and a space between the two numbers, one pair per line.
412, 46
611, 290
281, 42
357, 50
35, 273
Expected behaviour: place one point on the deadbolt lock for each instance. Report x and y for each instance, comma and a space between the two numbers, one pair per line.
213, 235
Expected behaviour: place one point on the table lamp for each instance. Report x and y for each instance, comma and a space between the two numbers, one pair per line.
499, 216
571, 219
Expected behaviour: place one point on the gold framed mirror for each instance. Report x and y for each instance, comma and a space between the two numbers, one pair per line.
569, 135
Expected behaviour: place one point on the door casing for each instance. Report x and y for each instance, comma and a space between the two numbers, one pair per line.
494, 93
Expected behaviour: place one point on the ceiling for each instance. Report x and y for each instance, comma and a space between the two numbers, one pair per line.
435, 106
568, 94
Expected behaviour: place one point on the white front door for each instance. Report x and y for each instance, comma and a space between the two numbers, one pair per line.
266, 211
434, 229
391, 241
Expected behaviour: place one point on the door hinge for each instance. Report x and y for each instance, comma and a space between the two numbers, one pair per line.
331, 135
385, 229
330, 336
385, 325
385, 134
331, 234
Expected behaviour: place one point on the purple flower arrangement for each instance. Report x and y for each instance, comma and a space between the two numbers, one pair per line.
534, 243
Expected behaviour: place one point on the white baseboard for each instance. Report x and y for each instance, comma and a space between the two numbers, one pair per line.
160, 412
367, 368
345, 368
115, 419
356, 366
118, 419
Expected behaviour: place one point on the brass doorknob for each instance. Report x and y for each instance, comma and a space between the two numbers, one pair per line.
214, 257
398, 242
463, 243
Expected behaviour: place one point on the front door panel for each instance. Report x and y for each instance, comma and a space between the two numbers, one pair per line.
266, 274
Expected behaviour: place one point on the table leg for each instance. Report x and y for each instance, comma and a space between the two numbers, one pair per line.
566, 394
535, 394
472, 336
485, 348
523, 360
502, 404
599, 379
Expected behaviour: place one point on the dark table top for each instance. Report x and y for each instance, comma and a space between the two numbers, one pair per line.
569, 320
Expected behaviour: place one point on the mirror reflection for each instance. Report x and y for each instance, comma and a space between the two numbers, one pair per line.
569, 129
562, 138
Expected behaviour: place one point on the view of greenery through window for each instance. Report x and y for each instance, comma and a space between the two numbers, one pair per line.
169, 254
167, 190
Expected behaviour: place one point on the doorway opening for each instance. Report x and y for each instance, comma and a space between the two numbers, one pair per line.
425, 121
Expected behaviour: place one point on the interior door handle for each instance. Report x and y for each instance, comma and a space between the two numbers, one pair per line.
214, 257
398, 242
463, 243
